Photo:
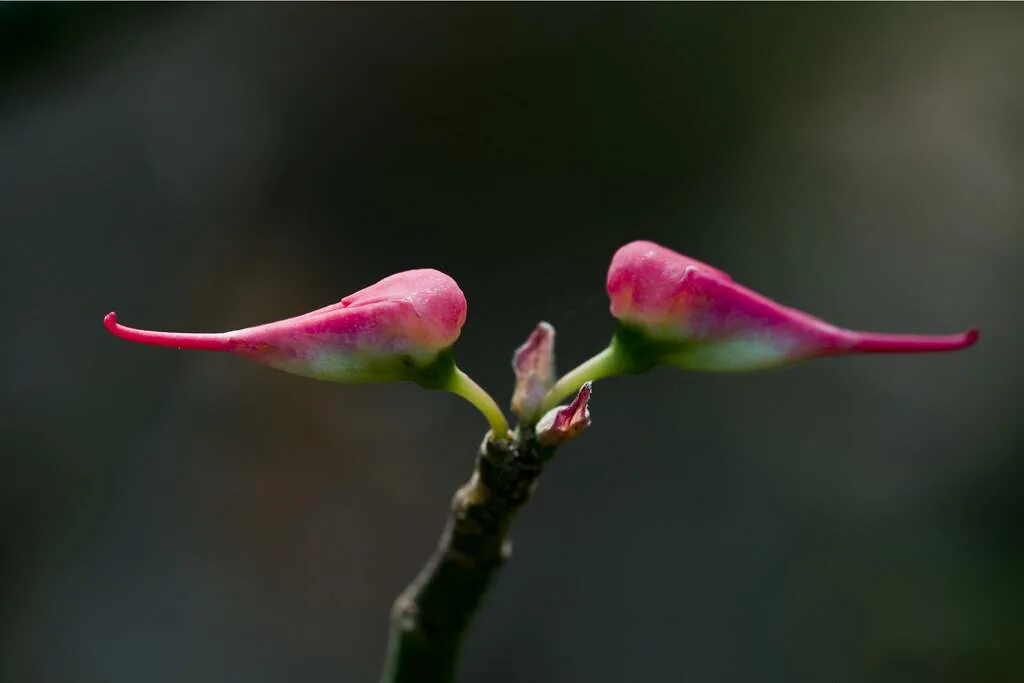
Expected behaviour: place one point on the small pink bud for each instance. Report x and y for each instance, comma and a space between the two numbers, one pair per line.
564, 423
534, 365
399, 328
679, 311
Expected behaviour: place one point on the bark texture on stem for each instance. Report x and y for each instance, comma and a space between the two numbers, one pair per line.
431, 616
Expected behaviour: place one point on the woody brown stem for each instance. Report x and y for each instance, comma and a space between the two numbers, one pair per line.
430, 618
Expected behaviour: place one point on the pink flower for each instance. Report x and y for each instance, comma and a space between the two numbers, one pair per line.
399, 328
679, 311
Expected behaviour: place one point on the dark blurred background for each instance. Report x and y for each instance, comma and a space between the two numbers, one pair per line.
190, 517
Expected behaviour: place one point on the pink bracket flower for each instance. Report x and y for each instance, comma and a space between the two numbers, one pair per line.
675, 310
401, 328
694, 316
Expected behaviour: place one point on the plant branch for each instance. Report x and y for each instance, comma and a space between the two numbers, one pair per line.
431, 616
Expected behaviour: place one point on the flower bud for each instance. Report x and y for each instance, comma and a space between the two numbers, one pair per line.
534, 365
400, 328
678, 311
564, 423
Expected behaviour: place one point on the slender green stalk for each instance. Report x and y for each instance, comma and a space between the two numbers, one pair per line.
605, 364
463, 385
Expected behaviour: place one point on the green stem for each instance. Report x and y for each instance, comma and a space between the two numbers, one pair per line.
605, 364
463, 385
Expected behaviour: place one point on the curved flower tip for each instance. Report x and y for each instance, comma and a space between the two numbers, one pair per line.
204, 342
679, 311
399, 328
564, 423
873, 342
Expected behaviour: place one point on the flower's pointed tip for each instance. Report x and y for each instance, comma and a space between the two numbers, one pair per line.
180, 340
874, 342
971, 337
116, 328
